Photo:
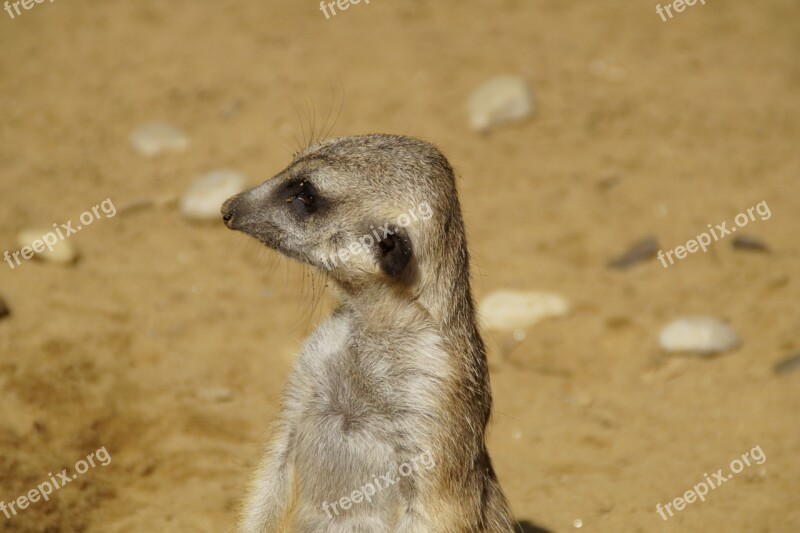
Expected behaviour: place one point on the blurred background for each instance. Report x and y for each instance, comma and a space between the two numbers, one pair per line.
167, 339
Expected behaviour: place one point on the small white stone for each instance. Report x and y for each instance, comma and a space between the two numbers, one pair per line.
154, 138
205, 196
500, 100
62, 252
699, 335
512, 310
578, 523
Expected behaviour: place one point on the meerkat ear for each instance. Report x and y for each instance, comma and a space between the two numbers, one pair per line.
395, 253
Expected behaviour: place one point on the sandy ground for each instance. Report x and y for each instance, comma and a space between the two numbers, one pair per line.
169, 341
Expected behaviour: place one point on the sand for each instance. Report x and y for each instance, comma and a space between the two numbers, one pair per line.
169, 341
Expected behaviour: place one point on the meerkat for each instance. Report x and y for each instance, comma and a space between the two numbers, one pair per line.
398, 371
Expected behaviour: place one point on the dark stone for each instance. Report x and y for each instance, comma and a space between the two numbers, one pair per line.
4, 310
641, 251
744, 242
787, 365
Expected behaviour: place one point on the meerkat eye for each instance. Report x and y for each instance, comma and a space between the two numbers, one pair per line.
302, 197
306, 199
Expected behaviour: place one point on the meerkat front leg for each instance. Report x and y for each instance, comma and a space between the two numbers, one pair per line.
429, 510
271, 491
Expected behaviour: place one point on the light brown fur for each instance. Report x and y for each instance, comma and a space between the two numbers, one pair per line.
398, 370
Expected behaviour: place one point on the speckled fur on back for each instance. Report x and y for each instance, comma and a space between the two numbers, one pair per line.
398, 370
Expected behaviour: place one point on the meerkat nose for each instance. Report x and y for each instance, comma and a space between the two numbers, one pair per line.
227, 211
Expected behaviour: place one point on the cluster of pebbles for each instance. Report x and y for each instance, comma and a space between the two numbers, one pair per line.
511, 313
508, 311
500, 100
509, 99
201, 201
205, 195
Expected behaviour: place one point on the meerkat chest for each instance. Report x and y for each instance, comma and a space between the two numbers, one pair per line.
364, 381
358, 401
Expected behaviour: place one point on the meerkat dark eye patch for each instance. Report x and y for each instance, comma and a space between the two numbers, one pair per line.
395, 253
301, 196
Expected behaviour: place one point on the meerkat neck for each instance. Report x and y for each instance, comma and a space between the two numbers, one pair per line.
445, 300
441, 291
445, 284
447, 296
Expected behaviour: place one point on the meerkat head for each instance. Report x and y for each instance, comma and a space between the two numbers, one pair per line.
373, 208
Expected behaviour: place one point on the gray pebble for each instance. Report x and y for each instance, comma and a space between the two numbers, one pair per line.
498, 101
157, 137
787, 365
510, 310
62, 252
205, 196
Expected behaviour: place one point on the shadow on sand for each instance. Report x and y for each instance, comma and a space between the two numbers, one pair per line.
524, 526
